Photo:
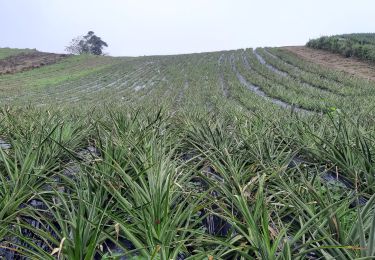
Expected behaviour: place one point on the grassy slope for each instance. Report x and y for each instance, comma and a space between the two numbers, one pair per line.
6, 52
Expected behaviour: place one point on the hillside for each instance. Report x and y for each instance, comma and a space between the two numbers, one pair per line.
14, 60
359, 45
272, 76
6, 52
245, 154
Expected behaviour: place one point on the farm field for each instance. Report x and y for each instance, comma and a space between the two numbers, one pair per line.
244, 154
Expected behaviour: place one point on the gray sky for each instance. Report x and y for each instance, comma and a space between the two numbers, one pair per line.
140, 27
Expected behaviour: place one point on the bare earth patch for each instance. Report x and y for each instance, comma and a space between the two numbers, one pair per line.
336, 61
26, 61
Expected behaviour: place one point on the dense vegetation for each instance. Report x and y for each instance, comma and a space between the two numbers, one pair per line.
361, 45
247, 154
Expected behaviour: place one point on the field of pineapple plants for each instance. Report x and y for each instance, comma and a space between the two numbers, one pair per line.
245, 154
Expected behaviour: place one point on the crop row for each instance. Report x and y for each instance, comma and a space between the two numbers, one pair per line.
244, 77
123, 183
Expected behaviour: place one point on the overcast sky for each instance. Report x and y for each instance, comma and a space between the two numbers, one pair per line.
140, 27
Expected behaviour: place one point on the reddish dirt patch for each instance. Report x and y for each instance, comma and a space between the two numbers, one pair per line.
27, 61
336, 61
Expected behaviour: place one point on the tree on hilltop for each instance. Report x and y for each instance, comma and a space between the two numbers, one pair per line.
88, 44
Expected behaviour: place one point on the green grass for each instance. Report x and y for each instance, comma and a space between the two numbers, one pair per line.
6, 52
179, 145
70, 69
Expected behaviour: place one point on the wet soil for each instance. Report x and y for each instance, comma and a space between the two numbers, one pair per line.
331, 176
182, 91
302, 81
257, 90
4, 144
224, 86
269, 66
